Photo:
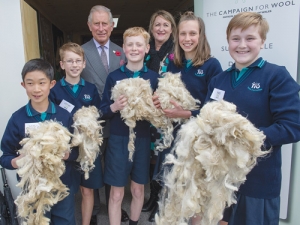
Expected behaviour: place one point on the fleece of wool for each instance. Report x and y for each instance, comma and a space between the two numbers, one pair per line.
40, 169
212, 155
88, 136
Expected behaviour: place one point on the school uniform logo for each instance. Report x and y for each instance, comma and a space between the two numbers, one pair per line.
87, 98
255, 87
200, 73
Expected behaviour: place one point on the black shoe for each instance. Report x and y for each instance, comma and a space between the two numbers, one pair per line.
124, 216
93, 220
150, 204
154, 192
152, 215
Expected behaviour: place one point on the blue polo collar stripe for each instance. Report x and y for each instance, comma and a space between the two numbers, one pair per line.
63, 82
74, 90
260, 62
237, 77
32, 112
131, 74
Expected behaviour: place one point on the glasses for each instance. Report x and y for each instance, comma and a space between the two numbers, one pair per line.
70, 62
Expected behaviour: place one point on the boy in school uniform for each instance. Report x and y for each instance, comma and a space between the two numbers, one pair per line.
72, 92
268, 96
37, 76
118, 167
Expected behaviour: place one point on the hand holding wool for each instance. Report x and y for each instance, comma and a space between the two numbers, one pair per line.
66, 155
177, 111
155, 100
119, 104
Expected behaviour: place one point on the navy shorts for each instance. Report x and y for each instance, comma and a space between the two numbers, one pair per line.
95, 180
117, 165
63, 212
250, 211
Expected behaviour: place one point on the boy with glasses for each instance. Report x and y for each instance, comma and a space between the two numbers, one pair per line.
71, 93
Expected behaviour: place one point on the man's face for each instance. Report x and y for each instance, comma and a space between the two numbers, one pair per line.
100, 27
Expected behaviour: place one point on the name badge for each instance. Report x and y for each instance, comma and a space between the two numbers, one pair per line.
217, 94
66, 105
30, 126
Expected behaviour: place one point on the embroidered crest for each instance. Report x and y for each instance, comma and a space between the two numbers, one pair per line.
200, 73
255, 87
87, 97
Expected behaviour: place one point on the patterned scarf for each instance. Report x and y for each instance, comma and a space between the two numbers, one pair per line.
157, 56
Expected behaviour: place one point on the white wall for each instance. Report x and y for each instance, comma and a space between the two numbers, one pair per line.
293, 216
12, 59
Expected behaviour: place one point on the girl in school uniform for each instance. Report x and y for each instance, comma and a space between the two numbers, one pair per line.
192, 58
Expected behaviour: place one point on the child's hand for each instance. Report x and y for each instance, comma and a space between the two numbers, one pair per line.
177, 111
14, 161
67, 154
119, 104
156, 101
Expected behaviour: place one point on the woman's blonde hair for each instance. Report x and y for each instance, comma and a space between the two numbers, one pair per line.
203, 48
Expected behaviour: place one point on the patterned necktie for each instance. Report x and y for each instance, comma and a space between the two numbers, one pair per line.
104, 58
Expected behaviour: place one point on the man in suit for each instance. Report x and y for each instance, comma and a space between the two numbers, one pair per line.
98, 65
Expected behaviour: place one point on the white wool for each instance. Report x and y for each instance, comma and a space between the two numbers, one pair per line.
171, 87
88, 136
213, 154
40, 170
140, 106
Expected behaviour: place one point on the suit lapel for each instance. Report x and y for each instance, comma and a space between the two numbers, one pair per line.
114, 60
92, 55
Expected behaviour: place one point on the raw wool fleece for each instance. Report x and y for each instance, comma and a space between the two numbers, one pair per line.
40, 170
88, 136
171, 87
212, 155
140, 106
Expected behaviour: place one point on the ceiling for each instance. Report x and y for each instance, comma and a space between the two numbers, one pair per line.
70, 16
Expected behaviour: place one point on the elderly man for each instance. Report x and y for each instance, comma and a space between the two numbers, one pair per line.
102, 57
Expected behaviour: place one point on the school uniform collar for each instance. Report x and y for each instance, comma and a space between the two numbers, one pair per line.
64, 83
187, 63
258, 63
32, 112
131, 74
238, 76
